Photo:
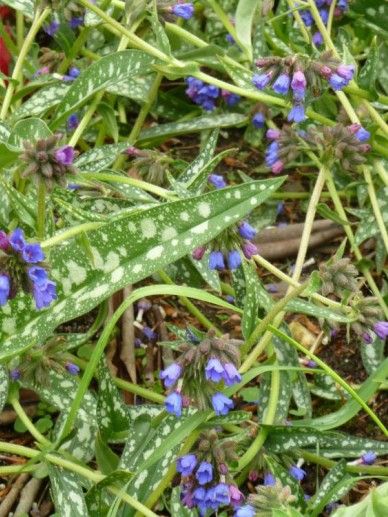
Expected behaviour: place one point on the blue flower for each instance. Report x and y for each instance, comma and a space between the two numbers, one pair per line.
76, 21
230, 298
346, 71
171, 374
15, 374
217, 180
72, 74
261, 80
33, 253
337, 82
210, 91
229, 38
204, 473
65, 155
245, 511
173, 403
216, 260
52, 28
231, 374
368, 458
38, 275
44, 294
246, 231
271, 153
5, 289
317, 39
258, 120
297, 113
324, 15
149, 333
220, 494
296, 472
199, 498
184, 11
17, 240
186, 464
230, 98
234, 260
214, 370
221, 404
72, 122
72, 368
362, 134
282, 84
342, 4
269, 479
307, 18
381, 329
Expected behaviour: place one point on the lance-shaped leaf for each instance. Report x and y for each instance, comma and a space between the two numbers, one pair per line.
30, 129
67, 492
4, 382
125, 252
41, 101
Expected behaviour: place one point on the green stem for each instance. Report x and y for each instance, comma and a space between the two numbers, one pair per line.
70, 233
331, 16
376, 208
254, 448
381, 171
27, 423
332, 374
373, 470
36, 24
41, 209
86, 119
75, 49
299, 21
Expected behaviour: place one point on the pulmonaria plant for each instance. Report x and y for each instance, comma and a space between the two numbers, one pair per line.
205, 480
22, 268
323, 6
47, 162
298, 76
206, 95
197, 376
343, 145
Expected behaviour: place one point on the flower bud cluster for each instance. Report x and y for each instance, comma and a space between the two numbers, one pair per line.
323, 6
205, 480
298, 76
269, 497
200, 372
45, 161
206, 95
344, 144
22, 268
369, 322
338, 277
228, 248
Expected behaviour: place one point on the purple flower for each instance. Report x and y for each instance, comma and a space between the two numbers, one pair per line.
381, 329
245, 511
231, 375
65, 155
198, 253
186, 464
230, 98
317, 39
246, 230
184, 11
273, 134
17, 240
324, 13
271, 153
15, 374
368, 458
44, 294
277, 167
72, 368
296, 472
38, 275
342, 4
258, 120
72, 122
217, 180
346, 72
219, 495
199, 498
52, 28
76, 21
72, 74
204, 473
193, 87
368, 339
5, 289
296, 114
269, 479
249, 249
261, 80
214, 370
230, 298
216, 260
229, 38
221, 404
210, 90
282, 84
337, 82
33, 253
171, 374
298, 83
173, 403
4, 241
236, 497
234, 260
149, 333
307, 18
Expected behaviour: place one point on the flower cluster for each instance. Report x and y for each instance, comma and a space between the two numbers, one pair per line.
338, 277
323, 6
206, 483
182, 10
206, 95
48, 162
227, 247
293, 74
343, 144
198, 374
21, 267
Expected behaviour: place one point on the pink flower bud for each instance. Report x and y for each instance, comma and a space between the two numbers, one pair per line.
277, 167
198, 253
249, 249
353, 128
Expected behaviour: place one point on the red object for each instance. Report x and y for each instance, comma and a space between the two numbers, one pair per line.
5, 56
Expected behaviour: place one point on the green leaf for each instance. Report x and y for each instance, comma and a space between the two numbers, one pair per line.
246, 278
109, 120
164, 131
100, 75
204, 157
4, 383
372, 354
107, 460
243, 22
30, 129
66, 492
41, 101
375, 504
326, 212
368, 75
176, 507
368, 227
125, 252
99, 158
